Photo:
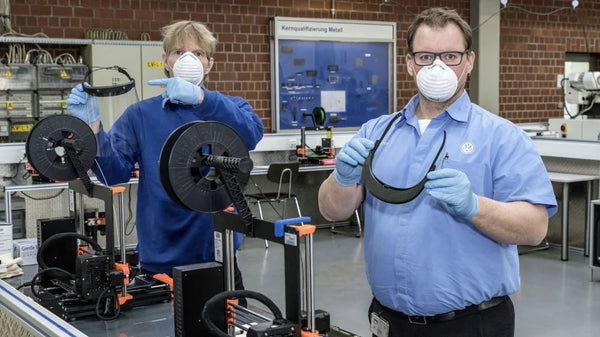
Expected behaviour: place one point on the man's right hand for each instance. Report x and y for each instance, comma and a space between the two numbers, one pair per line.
179, 91
350, 159
82, 105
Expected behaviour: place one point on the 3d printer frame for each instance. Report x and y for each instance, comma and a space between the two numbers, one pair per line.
203, 167
62, 147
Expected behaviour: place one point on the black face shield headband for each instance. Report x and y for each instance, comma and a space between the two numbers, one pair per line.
388, 193
109, 90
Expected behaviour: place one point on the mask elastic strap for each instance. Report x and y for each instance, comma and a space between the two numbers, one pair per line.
461, 74
169, 66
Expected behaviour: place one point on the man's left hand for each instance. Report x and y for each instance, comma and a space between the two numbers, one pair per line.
453, 188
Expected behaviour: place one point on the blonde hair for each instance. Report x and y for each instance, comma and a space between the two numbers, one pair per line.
176, 33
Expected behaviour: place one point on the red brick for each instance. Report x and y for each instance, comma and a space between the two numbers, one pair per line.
41, 10
62, 11
20, 9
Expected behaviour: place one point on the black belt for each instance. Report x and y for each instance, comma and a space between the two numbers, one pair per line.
451, 314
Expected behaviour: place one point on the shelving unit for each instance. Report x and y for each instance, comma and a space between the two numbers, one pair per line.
12, 153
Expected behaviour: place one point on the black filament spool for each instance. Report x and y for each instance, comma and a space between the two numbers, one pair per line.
45, 144
186, 165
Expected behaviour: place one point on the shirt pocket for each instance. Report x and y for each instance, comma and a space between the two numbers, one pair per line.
479, 175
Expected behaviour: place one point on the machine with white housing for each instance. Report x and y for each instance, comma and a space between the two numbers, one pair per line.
583, 89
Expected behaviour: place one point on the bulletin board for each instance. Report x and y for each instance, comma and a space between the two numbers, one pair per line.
344, 68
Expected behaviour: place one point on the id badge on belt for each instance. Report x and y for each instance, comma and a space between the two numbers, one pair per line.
379, 326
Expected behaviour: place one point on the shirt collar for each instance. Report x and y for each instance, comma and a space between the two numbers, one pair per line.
459, 110
409, 111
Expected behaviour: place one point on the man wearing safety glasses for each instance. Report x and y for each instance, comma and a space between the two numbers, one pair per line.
448, 190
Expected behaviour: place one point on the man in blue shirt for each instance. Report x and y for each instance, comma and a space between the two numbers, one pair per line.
168, 235
441, 262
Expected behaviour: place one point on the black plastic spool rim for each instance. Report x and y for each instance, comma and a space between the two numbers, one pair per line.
46, 154
186, 180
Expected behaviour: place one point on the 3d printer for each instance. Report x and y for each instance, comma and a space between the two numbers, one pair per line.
63, 148
323, 154
203, 167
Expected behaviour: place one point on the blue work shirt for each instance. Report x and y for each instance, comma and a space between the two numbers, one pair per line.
419, 259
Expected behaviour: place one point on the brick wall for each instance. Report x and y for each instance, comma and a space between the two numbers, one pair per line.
533, 47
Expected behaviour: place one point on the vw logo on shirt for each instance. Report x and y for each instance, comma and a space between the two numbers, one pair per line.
467, 148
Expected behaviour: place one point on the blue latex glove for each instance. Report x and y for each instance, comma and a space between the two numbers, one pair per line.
349, 161
453, 189
178, 91
82, 105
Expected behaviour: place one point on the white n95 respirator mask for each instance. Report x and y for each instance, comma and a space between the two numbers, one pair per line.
437, 82
189, 68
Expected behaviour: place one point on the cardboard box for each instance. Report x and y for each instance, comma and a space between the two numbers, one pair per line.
6, 235
27, 249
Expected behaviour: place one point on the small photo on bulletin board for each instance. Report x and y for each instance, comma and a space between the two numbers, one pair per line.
347, 77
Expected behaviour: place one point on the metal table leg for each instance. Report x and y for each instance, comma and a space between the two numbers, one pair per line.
7, 207
564, 250
588, 200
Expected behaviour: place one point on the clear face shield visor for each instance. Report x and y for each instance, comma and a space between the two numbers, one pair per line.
113, 89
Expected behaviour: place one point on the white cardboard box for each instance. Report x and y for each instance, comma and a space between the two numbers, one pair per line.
27, 249
6, 239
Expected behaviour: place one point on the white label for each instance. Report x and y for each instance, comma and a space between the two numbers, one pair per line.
290, 239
